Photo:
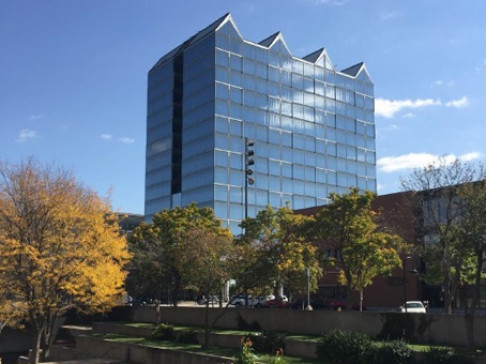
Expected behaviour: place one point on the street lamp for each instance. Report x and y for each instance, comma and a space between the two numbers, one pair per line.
249, 161
405, 281
307, 273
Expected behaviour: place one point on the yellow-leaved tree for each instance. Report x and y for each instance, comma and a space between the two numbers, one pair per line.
60, 247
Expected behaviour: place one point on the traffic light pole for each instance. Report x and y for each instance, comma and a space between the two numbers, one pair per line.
248, 171
246, 192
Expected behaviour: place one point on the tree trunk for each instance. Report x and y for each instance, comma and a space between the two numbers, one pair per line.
157, 312
175, 292
348, 297
206, 324
469, 316
447, 295
361, 300
34, 355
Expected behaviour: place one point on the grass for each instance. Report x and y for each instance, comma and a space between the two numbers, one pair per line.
144, 325
458, 349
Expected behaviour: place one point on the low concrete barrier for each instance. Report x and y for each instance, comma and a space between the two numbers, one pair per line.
62, 353
122, 329
92, 347
442, 329
303, 349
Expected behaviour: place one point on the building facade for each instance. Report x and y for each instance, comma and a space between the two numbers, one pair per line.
313, 126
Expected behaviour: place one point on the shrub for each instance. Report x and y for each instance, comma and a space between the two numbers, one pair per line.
188, 337
397, 352
76, 316
163, 332
398, 326
268, 341
243, 325
444, 356
344, 347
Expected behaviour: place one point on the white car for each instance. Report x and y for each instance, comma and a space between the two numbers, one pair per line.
413, 307
240, 300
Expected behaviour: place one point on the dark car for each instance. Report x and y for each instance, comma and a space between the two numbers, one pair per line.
341, 305
280, 302
301, 304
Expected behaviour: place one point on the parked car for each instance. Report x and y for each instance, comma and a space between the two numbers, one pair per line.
260, 300
302, 303
337, 305
240, 300
341, 305
412, 307
279, 302
212, 300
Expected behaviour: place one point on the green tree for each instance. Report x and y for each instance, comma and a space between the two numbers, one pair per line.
205, 255
157, 247
347, 225
60, 247
284, 249
471, 242
151, 270
249, 271
434, 191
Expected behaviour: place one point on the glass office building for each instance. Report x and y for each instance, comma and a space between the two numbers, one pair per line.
313, 126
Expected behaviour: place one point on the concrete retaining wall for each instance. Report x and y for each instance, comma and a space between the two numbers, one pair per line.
292, 347
444, 329
62, 353
92, 347
115, 328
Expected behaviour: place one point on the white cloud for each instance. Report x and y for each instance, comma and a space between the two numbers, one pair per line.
26, 134
126, 140
388, 108
438, 83
460, 103
420, 160
470, 156
409, 115
36, 116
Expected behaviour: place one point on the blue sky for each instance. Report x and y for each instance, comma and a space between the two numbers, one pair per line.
74, 73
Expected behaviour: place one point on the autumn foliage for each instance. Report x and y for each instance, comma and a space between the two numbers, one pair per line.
60, 247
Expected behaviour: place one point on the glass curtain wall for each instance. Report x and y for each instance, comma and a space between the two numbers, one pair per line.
313, 128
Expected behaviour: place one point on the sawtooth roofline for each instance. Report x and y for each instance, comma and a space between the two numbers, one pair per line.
267, 43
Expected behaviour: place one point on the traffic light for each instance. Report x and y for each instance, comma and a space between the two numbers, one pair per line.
249, 161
